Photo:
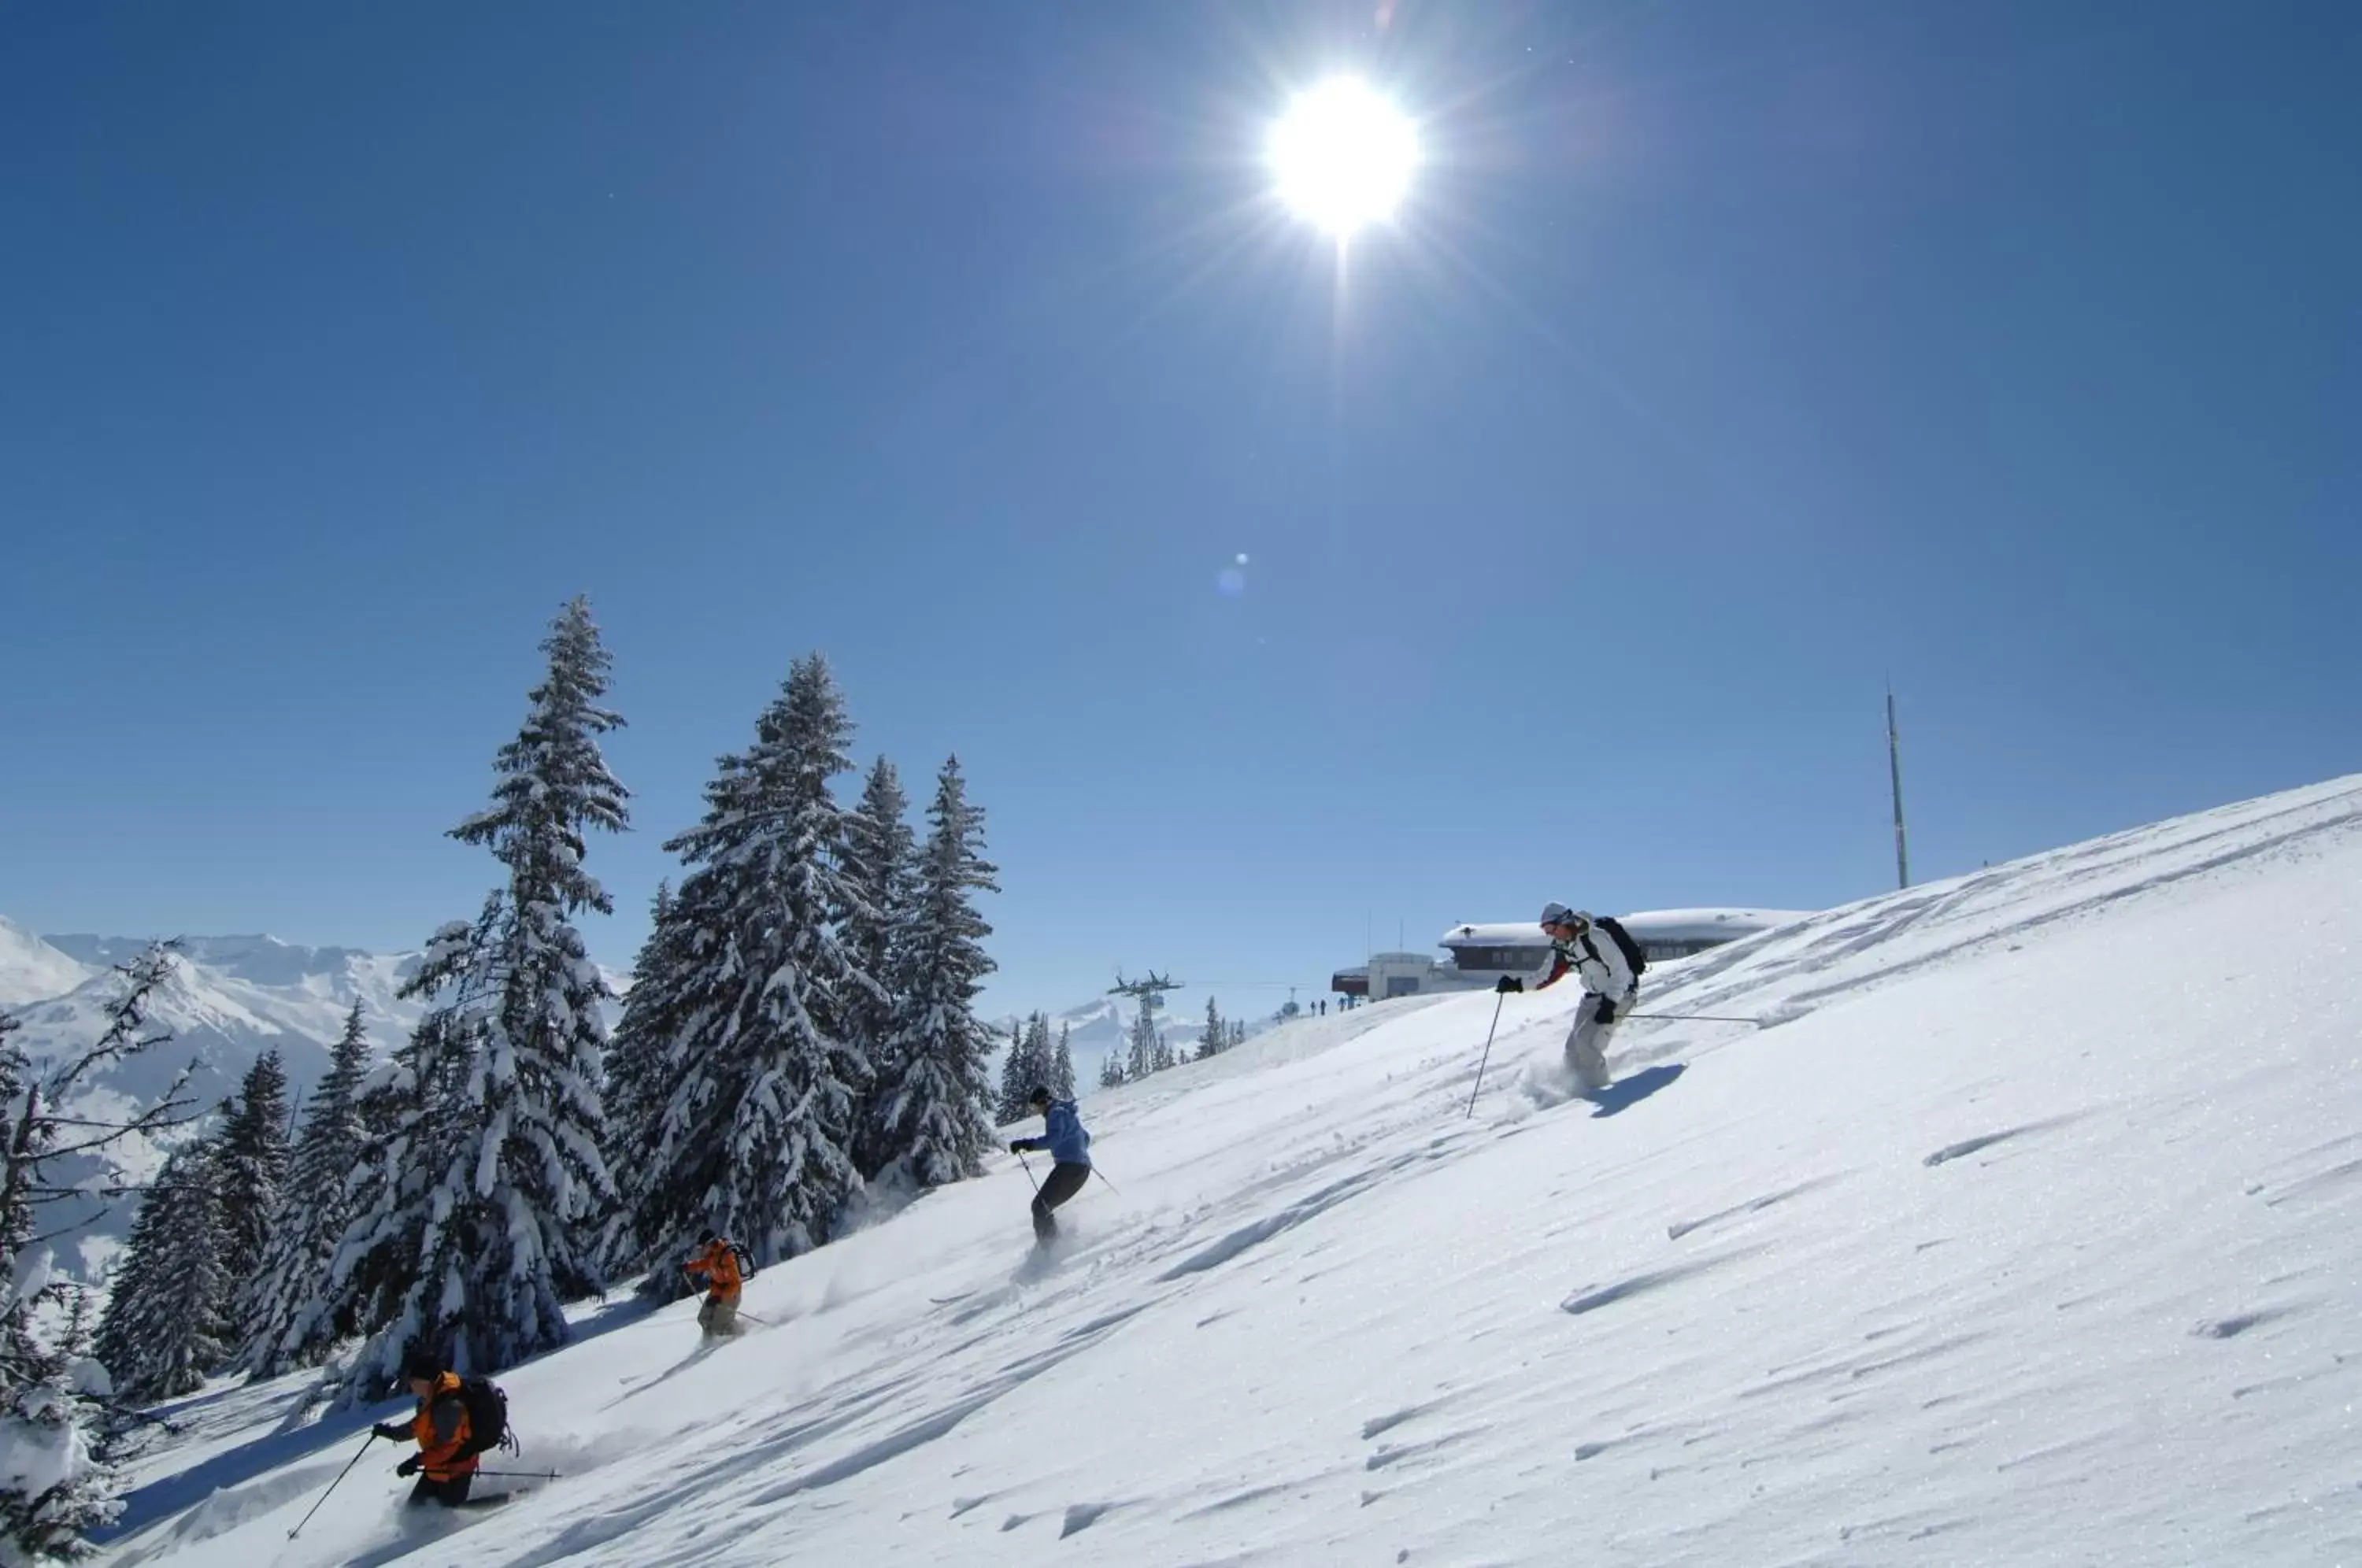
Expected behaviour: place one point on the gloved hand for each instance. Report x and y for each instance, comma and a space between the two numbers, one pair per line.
1019, 1146
1509, 983
409, 1467
393, 1431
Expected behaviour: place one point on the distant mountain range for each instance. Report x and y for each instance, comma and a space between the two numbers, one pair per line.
230, 999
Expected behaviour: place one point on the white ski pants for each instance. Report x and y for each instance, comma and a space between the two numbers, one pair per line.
1586, 1043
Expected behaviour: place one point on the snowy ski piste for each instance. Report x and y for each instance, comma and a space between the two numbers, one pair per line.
2028, 1231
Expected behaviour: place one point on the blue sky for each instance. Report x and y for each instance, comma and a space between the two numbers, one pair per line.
1726, 358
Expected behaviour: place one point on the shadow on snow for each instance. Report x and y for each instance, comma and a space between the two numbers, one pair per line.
1625, 1093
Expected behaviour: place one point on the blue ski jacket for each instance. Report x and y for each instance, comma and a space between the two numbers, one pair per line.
1064, 1136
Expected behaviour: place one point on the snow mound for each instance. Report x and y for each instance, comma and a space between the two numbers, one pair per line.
2021, 1226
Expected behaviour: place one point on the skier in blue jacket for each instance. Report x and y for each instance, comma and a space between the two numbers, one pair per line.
1070, 1151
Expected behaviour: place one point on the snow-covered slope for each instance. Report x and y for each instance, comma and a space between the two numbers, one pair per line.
2029, 1231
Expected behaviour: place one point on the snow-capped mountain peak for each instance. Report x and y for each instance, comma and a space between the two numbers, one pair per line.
228, 1000
34, 969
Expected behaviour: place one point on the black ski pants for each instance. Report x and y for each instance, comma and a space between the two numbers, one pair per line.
1063, 1181
451, 1494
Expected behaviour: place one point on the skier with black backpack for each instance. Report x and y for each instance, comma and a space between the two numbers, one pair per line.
1602, 956
459, 1420
725, 1267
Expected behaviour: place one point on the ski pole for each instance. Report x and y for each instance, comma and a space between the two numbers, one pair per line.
749, 1317
1498, 998
523, 1474
1029, 1172
1696, 1018
348, 1470
1102, 1176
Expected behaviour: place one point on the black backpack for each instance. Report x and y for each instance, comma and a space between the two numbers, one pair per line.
488, 1416
1623, 939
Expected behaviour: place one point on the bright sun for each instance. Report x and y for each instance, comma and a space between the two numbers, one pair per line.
1343, 156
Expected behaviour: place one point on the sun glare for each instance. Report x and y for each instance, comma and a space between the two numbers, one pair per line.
1343, 156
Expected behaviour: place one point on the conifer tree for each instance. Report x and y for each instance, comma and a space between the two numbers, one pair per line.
503, 1181
1216, 1034
1161, 1056
1028, 1064
160, 1337
410, 1213
754, 1140
58, 1486
1017, 1076
281, 1310
1111, 1074
1041, 1056
365, 1278
1062, 1065
638, 1079
932, 1115
251, 1158
878, 929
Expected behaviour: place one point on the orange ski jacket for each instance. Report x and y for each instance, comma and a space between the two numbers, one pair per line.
442, 1430
718, 1263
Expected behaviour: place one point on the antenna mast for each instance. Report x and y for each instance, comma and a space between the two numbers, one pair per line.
1895, 772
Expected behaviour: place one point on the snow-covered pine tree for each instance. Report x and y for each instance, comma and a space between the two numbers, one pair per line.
55, 1487
1062, 1065
638, 1081
413, 1215
364, 1281
1016, 1076
1111, 1073
933, 1114
1162, 1057
281, 1310
251, 1156
507, 1229
877, 934
1238, 1031
756, 1139
1041, 1056
1028, 1065
159, 1336
1214, 1035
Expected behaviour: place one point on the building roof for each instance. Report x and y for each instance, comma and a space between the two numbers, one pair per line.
1646, 925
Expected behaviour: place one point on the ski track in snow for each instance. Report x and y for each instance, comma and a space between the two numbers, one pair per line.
2023, 1232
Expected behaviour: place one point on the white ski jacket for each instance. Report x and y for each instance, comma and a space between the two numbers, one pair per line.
1595, 960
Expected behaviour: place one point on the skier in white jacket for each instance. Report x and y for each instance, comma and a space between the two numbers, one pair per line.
1580, 948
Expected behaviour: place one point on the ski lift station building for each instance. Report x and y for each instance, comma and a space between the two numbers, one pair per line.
1476, 957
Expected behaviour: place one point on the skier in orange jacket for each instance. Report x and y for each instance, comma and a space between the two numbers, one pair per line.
717, 1261
446, 1461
